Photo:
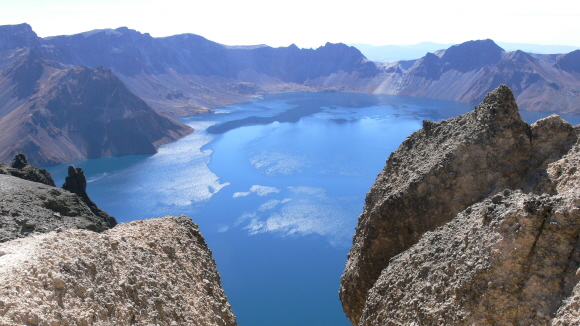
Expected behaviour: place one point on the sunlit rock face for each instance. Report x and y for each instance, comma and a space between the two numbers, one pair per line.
473, 220
157, 271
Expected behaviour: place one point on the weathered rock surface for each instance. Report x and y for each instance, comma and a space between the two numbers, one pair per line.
508, 259
27, 207
151, 272
21, 169
29, 202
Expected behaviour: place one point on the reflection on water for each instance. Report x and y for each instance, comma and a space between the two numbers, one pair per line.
276, 186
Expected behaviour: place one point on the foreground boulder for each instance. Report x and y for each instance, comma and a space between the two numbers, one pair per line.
152, 272
472, 221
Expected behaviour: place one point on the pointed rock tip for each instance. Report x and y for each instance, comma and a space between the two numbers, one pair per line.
499, 108
502, 92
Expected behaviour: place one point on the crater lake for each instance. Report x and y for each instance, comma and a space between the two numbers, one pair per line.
276, 186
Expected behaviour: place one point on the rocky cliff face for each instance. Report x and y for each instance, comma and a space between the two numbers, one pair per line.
472, 221
185, 74
57, 115
157, 271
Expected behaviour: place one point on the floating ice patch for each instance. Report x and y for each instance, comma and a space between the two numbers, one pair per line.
241, 194
273, 163
310, 211
257, 189
187, 178
272, 203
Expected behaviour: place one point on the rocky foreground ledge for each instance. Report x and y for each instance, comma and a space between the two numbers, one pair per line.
475, 220
151, 272
63, 261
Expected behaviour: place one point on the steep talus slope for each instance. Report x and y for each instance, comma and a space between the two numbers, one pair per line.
473, 221
30, 203
58, 115
157, 271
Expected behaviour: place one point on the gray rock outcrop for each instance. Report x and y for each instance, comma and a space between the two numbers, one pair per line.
76, 183
28, 207
473, 221
152, 272
30, 203
21, 169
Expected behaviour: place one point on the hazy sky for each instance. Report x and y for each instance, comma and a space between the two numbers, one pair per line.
310, 23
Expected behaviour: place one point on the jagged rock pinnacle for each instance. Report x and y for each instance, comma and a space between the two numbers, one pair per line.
76, 182
19, 161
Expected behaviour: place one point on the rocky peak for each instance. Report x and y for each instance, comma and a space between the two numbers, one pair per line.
76, 182
569, 62
471, 55
499, 107
441, 170
17, 36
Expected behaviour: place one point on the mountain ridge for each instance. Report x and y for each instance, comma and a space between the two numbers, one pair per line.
185, 74
58, 114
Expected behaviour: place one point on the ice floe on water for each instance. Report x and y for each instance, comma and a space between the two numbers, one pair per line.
277, 162
305, 211
257, 189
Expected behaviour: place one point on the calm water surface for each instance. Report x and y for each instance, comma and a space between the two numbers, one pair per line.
276, 186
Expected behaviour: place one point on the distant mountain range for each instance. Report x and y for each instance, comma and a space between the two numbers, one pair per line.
113, 91
393, 53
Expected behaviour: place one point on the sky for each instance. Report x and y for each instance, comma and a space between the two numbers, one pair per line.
310, 23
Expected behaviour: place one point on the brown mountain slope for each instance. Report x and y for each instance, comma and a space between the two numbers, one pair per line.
55, 114
186, 74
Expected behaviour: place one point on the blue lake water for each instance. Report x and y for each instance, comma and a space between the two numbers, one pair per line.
276, 186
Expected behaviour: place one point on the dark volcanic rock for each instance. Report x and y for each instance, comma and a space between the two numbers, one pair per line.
438, 172
29, 202
19, 161
76, 183
28, 207
21, 169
